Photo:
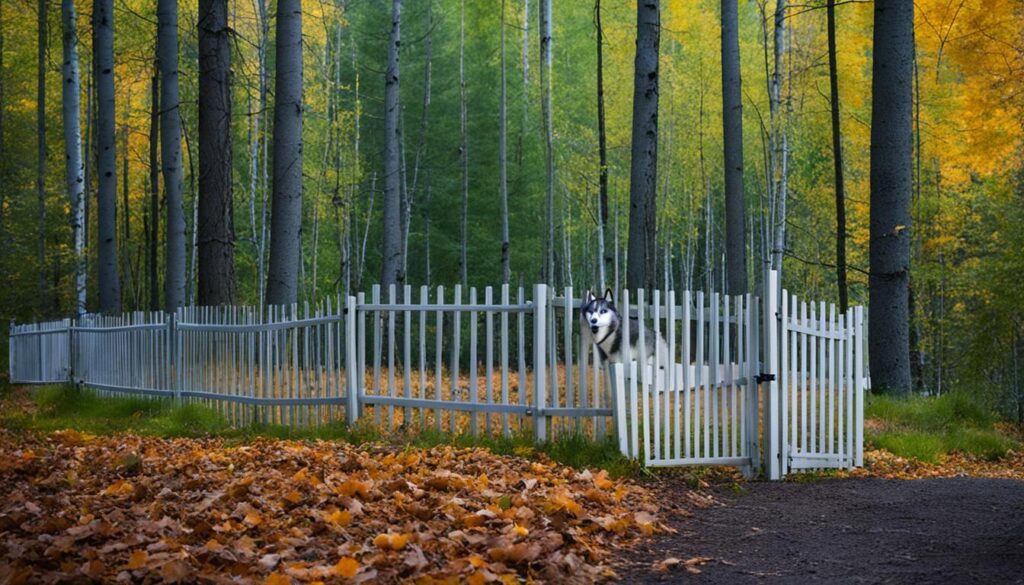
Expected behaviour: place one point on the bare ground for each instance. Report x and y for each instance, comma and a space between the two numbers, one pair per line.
949, 530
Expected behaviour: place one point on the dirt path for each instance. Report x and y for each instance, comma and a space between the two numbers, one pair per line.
956, 530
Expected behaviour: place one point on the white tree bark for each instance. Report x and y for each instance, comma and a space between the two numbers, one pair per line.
74, 172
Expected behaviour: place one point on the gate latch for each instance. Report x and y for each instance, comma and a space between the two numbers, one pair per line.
763, 377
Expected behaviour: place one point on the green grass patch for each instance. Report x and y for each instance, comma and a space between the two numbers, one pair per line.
926, 428
67, 407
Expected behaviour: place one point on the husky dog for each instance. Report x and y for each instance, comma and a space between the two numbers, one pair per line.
605, 323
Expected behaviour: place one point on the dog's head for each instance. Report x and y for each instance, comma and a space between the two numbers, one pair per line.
599, 312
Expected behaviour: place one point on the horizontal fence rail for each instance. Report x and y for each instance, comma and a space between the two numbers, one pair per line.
495, 361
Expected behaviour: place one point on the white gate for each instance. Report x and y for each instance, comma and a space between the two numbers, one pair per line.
785, 388
703, 409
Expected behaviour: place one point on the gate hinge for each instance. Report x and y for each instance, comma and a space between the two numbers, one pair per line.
763, 377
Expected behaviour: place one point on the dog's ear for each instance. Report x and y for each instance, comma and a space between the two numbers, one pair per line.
608, 295
588, 298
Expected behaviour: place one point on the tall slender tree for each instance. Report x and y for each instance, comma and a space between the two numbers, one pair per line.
503, 158
837, 158
391, 265
170, 153
41, 154
643, 176
779, 143
106, 143
602, 150
74, 167
463, 147
153, 213
216, 279
732, 132
891, 183
286, 213
549, 155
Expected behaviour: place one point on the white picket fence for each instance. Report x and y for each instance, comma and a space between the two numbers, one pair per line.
486, 363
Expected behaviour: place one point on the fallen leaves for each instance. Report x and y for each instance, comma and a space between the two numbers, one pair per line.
292, 512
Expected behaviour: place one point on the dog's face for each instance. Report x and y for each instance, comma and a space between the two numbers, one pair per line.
599, 312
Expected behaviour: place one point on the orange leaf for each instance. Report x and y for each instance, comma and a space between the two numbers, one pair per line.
391, 541
276, 578
294, 497
352, 487
601, 480
253, 518
346, 567
339, 517
477, 578
137, 560
119, 488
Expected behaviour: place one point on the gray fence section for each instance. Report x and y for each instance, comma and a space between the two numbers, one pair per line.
476, 361
740, 380
40, 353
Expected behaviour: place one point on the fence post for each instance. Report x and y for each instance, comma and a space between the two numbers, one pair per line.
861, 345
540, 303
772, 449
351, 369
175, 366
71, 350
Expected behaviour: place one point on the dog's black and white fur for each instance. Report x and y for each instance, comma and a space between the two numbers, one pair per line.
604, 322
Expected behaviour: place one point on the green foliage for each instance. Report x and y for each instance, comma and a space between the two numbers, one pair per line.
927, 428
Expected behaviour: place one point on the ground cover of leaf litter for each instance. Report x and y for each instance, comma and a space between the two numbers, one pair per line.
81, 508
894, 521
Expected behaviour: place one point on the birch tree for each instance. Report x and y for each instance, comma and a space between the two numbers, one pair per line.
215, 232
732, 132
391, 265
643, 174
106, 196
286, 214
549, 155
891, 184
74, 167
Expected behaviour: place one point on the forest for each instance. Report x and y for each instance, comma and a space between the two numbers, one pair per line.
155, 154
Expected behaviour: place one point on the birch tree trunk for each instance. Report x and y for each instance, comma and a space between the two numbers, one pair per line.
549, 156
215, 232
602, 148
153, 216
837, 157
170, 153
286, 215
391, 265
264, 151
74, 165
732, 131
779, 143
503, 159
891, 184
106, 194
464, 145
644, 160
41, 156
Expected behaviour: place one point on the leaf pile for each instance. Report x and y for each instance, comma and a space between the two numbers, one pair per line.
882, 463
81, 508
